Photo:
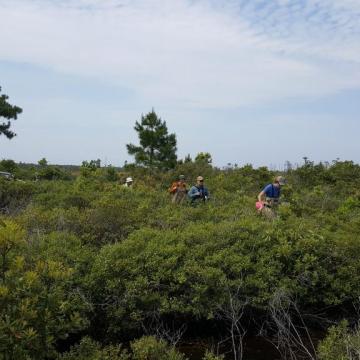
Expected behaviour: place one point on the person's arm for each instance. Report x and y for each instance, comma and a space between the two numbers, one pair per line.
190, 193
193, 192
262, 196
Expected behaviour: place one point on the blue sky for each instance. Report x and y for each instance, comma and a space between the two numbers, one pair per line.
250, 81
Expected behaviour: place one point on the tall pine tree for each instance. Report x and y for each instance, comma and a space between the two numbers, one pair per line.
9, 112
157, 148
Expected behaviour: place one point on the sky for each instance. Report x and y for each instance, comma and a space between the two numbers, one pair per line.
249, 81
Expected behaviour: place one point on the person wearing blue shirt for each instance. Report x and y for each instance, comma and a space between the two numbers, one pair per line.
270, 196
198, 192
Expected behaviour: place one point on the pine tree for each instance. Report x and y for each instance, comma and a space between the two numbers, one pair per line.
204, 157
157, 148
9, 112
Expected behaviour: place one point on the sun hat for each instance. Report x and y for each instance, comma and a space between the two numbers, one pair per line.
129, 179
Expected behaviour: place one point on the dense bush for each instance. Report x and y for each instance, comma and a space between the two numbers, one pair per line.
145, 348
89, 257
88, 349
38, 298
341, 343
15, 195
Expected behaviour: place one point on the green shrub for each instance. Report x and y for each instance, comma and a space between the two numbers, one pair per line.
210, 356
149, 348
37, 299
15, 195
91, 350
108, 259
341, 343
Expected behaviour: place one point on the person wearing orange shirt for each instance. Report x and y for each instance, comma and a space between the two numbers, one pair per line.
178, 190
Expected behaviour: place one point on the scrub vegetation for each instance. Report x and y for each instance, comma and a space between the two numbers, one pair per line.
92, 270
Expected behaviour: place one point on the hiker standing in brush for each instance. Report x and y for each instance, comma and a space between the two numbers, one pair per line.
178, 190
270, 196
198, 192
128, 182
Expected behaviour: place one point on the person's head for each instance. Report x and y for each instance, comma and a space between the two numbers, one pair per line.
129, 181
200, 181
182, 178
279, 181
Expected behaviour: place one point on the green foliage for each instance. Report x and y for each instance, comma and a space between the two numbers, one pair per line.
333, 347
203, 157
91, 350
145, 348
111, 174
112, 219
9, 112
50, 172
11, 237
210, 356
8, 165
87, 257
157, 148
88, 168
149, 348
192, 282
43, 162
349, 206
15, 195
341, 343
37, 298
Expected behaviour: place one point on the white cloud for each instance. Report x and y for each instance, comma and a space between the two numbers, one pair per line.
192, 53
